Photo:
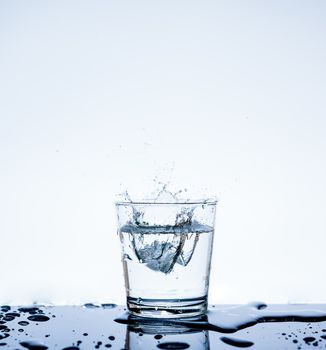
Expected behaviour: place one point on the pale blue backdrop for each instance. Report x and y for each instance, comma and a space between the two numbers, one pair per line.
225, 97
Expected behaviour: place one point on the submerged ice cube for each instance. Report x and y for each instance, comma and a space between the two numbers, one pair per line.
158, 251
161, 247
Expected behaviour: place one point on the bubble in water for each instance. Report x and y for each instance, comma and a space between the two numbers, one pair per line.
33, 345
240, 343
23, 323
173, 346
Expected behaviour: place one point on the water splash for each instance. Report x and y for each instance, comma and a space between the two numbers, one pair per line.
161, 255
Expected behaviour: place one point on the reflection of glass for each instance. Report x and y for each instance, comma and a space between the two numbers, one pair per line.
166, 256
155, 335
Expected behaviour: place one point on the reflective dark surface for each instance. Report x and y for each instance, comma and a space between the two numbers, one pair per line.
255, 326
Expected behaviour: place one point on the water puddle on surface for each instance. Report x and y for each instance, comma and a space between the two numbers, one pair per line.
102, 326
232, 319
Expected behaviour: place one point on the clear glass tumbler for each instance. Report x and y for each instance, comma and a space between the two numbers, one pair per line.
166, 256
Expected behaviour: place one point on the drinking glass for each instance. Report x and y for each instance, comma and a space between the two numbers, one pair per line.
166, 256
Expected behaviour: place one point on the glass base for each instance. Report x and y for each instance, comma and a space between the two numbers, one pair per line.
167, 308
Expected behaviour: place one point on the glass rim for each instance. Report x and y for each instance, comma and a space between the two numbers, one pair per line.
154, 202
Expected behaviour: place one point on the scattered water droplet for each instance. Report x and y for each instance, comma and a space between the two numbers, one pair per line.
173, 345
5, 308
91, 306
38, 318
239, 343
108, 306
309, 339
13, 314
33, 345
8, 318
28, 309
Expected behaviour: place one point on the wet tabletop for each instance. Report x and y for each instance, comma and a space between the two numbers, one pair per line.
254, 326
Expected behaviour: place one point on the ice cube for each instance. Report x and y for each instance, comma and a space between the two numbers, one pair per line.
160, 254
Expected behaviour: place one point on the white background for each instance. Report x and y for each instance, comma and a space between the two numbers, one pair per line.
226, 97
